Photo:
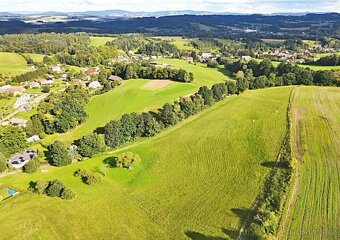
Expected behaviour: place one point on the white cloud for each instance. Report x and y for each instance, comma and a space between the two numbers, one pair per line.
242, 6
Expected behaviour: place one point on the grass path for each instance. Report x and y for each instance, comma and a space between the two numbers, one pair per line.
316, 130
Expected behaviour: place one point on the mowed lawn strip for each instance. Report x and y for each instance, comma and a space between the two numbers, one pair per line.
198, 178
316, 119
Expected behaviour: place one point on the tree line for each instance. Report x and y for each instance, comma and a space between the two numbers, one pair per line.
150, 71
331, 60
29, 76
254, 74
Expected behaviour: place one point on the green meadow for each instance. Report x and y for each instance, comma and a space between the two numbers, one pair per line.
100, 41
12, 64
202, 74
179, 42
197, 180
316, 129
130, 97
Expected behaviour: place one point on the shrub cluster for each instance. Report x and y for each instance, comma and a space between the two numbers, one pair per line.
125, 160
32, 166
87, 177
54, 188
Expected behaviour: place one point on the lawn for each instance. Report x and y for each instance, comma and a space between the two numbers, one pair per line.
130, 97
316, 130
197, 180
202, 74
100, 41
12, 64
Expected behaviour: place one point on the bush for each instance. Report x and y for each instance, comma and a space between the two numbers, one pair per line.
55, 188
87, 176
213, 64
68, 194
126, 159
89, 145
32, 166
59, 154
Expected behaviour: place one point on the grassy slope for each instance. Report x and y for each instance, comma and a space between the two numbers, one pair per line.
131, 97
312, 67
180, 43
202, 74
316, 121
198, 179
12, 64
100, 41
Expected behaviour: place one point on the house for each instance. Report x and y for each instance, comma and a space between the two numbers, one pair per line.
48, 81
114, 77
248, 58
94, 85
35, 85
18, 122
56, 68
15, 90
206, 56
93, 71
22, 100
19, 160
34, 138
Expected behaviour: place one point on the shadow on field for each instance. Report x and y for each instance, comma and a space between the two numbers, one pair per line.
111, 161
200, 236
269, 164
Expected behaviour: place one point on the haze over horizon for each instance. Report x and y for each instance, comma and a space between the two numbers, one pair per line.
232, 6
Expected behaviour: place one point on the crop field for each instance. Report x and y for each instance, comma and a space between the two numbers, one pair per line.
12, 64
202, 74
316, 204
197, 180
100, 41
132, 96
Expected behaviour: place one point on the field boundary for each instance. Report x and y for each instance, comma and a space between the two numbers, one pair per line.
283, 155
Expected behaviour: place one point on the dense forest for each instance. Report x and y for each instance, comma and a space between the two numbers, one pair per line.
221, 26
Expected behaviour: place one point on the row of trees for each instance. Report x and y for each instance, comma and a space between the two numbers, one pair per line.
132, 126
29, 76
150, 71
263, 74
54, 188
331, 60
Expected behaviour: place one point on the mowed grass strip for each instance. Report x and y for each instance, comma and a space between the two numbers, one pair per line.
316, 121
198, 178
202, 74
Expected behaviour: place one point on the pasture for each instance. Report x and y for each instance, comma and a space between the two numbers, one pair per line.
12, 64
202, 74
197, 180
315, 207
100, 41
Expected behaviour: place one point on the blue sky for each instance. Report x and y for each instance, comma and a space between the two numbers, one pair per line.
241, 6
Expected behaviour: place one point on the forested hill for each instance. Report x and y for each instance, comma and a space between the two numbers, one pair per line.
309, 25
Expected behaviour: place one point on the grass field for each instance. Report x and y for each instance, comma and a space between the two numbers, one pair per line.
180, 43
100, 41
131, 97
36, 57
316, 127
202, 74
197, 180
312, 67
134, 97
12, 64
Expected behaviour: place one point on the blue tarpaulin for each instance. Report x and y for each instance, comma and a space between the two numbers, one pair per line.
11, 191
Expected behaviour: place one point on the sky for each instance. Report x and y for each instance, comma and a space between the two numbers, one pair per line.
236, 6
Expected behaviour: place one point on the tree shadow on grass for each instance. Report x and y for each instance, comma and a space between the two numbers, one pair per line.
199, 236
274, 165
233, 234
110, 161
